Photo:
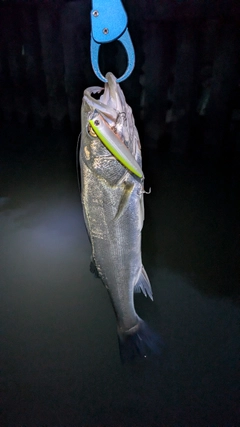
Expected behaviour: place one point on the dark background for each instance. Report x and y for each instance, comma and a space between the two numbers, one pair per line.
59, 358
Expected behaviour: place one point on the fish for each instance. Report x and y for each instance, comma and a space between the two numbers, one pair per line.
112, 191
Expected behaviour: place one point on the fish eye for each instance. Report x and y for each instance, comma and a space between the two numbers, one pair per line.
91, 131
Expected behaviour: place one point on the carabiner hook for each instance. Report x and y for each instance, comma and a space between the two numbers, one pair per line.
109, 23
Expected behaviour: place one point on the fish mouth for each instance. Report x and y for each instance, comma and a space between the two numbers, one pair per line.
111, 102
112, 94
115, 125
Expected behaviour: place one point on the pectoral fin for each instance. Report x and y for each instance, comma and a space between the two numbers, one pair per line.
141, 212
124, 200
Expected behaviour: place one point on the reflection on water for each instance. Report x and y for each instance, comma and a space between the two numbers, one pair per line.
59, 353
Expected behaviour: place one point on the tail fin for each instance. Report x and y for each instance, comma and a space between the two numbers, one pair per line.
141, 343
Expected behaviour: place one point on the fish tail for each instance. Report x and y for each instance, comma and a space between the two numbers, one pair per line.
140, 341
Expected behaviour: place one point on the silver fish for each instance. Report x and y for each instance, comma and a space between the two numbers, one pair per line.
112, 199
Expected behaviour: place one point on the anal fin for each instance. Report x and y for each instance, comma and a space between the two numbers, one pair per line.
143, 284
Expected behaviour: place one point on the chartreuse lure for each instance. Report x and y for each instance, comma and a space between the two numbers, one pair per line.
114, 144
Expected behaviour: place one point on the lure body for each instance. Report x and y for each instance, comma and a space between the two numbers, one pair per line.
114, 144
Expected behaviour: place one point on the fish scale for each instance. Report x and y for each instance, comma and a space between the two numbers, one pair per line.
112, 199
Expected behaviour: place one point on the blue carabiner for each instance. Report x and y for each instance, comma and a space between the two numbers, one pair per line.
109, 23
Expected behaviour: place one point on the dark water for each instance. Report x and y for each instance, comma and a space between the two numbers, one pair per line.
59, 358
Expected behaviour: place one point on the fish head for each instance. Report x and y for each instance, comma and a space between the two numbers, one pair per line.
108, 106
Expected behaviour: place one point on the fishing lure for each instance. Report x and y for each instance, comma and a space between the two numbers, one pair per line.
114, 144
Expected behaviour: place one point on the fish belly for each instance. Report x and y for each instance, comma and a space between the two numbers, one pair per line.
114, 227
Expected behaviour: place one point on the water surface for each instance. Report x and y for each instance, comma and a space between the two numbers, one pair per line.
60, 365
